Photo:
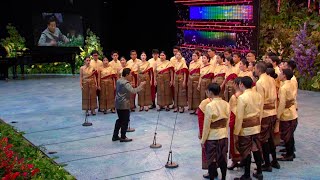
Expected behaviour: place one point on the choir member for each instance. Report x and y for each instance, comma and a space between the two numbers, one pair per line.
287, 113
206, 75
276, 135
164, 81
275, 61
268, 56
266, 87
153, 63
244, 69
180, 84
231, 74
107, 86
88, 84
292, 65
251, 66
220, 72
215, 132
133, 64
145, 74
194, 75
115, 63
227, 52
96, 63
173, 59
247, 127
213, 57
233, 153
201, 111
236, 59
251, 56
199, 50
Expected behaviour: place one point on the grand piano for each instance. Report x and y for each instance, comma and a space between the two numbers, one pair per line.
38, 55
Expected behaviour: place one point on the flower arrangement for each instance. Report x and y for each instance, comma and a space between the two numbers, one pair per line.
92, 42
14, 43
305, 53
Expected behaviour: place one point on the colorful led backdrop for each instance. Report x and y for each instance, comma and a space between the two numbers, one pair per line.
218, 24
210, 38
238, 12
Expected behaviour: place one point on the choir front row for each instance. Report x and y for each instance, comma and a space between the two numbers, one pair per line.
257, 101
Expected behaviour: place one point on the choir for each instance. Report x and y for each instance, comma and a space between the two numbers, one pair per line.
253, 104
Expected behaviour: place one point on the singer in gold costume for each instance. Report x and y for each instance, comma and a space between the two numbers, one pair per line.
88, 84
107, 86
194, 76
145, 74
164, 82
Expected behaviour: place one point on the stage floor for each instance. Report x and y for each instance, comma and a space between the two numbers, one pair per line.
48, 110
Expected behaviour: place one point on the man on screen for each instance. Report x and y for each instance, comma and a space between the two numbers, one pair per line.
52, 36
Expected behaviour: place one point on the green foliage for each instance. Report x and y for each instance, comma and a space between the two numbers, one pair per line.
92, 42
14, 43
316, 81
74, 41
279, 29
33, 155
47, 68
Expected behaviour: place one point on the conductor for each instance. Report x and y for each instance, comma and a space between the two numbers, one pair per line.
123, 92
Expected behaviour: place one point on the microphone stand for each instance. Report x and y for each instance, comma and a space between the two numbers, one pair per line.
154, 143
169, 163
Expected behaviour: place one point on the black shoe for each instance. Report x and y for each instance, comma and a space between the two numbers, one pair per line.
243, 178
206, 176
117, 138
125, 139
285, 158
266, 168
275, 164
258, 176
153, 106
241, 164
284, 154
282, 150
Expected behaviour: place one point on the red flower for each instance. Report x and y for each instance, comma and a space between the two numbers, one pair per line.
15, 175
5, 139
25, 174
30, 166
35, 171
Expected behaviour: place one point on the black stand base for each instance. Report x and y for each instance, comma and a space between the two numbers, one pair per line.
155, 146
87, 124
130, 129
171, 165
